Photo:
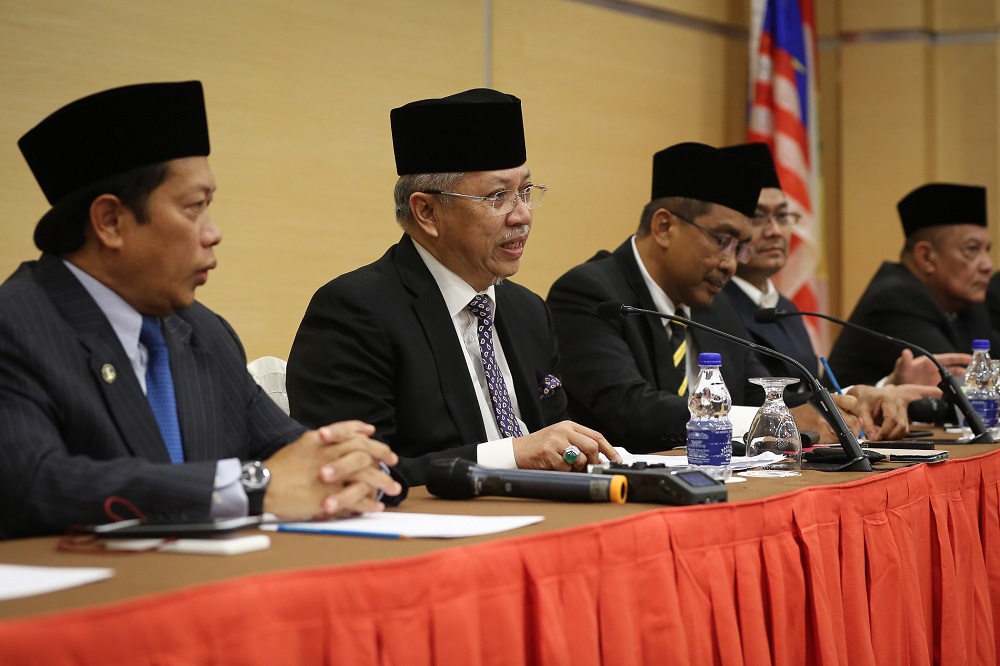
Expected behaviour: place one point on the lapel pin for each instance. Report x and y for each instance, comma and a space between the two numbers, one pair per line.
108, 373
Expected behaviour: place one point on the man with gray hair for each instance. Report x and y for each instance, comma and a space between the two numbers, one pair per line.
430, 343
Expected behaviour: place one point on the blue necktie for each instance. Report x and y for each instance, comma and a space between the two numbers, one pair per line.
160, 387
502, 410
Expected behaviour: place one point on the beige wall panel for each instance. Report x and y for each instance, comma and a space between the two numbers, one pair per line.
955, 15
868, 15
827, 18
730, 12
886, 148
603, 90
298, 98
966, 116
829, 127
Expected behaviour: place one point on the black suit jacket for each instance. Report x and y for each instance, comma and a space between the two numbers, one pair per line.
377, 344
789, 336
610, 366
70, 437
897, 304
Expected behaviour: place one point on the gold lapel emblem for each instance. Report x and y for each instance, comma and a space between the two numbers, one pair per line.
108, 373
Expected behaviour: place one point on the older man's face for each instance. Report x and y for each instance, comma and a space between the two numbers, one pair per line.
480, 246
961, 265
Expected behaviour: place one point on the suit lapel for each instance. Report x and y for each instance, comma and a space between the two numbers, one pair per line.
525, 383
667, 378
110, 367
449, 357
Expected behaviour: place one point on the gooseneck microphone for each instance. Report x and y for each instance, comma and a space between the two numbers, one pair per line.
821, 400
949, 384
460, 479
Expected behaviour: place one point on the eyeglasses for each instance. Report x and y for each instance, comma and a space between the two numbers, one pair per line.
503, 202
727, 244
782, 218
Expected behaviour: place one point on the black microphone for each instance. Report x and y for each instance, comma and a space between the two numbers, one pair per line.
821, 400
459, 479
928, 410
949, 384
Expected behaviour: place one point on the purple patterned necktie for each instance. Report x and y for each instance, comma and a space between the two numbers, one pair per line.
480, 307
160, 387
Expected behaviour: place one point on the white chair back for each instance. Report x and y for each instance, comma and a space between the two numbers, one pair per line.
269, 373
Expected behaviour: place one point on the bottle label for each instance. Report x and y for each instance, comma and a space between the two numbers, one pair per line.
710, 447
987, 410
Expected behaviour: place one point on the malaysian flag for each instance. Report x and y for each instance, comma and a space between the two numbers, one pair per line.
783, 113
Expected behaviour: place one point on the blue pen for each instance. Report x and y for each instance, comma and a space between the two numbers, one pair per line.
836, 385
336, 532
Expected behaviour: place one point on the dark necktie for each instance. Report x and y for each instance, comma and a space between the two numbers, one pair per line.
502, 410
678, 349
160, 387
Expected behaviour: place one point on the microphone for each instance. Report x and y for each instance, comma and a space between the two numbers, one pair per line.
821, 400
459, 479
928, 410
949, 384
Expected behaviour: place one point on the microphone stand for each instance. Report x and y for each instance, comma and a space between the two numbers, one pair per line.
949, 384
820, 400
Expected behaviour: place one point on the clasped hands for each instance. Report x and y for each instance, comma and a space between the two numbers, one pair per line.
332, 471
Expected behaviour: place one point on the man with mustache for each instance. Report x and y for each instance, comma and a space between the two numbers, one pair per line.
430, 343
119, 392
934, 297
628, 377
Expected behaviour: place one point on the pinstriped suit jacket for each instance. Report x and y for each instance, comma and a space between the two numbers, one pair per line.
69, 438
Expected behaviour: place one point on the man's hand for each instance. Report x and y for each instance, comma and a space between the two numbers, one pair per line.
807, 418
922, 370
331, 471
883, 411
544, 449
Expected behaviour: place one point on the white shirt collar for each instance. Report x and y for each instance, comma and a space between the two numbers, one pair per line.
456, 292
661, 301
763, 299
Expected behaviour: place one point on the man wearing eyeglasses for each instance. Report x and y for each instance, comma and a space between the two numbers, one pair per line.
430, 344
628, 377
751, 288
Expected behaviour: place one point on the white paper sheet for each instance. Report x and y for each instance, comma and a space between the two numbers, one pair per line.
739, 463
18, 581
398, 525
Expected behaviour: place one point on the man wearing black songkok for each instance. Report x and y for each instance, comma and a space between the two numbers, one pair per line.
117, 388
934, 297
627, 377
431, 343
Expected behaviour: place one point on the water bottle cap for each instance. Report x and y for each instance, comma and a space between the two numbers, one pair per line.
980, 344
709, 358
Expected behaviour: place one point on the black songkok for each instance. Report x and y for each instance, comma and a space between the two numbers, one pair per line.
475, 130
938, 204
697, 171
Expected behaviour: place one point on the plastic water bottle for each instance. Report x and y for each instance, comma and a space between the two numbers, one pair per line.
710, 432
980, 388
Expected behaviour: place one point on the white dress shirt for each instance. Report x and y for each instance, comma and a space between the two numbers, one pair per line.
763, 299
740, 415
497, 451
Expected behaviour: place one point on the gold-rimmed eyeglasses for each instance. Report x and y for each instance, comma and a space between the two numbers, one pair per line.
503, 202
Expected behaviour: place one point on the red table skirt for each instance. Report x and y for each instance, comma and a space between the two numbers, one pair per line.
901, 568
